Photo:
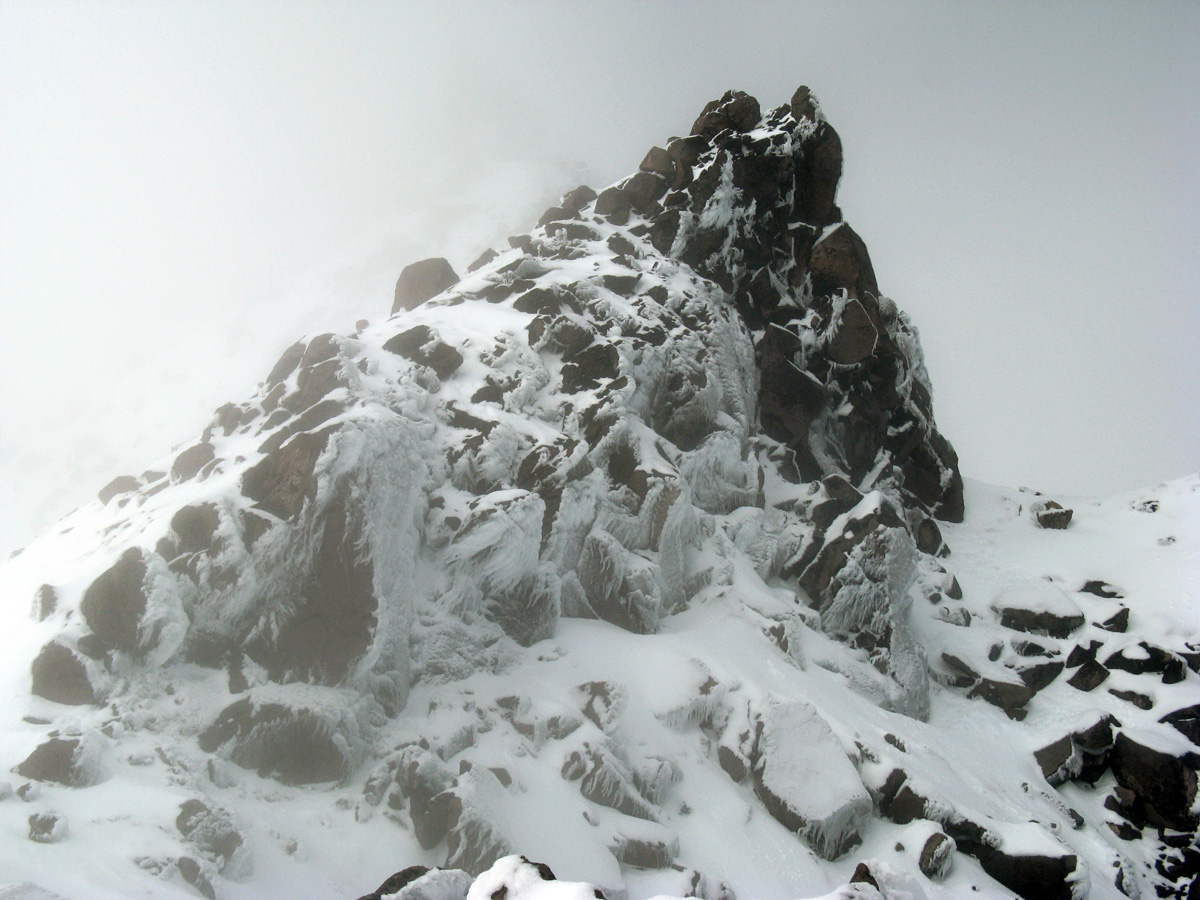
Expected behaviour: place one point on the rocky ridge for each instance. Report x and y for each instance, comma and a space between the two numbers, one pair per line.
423, 565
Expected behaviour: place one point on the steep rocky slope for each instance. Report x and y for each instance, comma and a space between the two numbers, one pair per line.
622, 552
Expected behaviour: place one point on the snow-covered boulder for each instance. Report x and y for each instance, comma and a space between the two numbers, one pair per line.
806, 780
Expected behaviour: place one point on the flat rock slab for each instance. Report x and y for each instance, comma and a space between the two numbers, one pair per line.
806, 781
1038, 608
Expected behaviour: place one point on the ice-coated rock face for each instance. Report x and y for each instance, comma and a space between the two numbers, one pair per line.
632, 527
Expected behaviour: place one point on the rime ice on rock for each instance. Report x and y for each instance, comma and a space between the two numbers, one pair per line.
677, 406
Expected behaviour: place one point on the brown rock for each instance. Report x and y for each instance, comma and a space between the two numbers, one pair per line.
122, 484
46, 828
483, 259
115, 602
642, 853
1040, 676
45, 601
394, 883
589, 366
840, 261
1058, 760
1141, 701
816, 178
284, 479
614, 204
194, 527
58, 760
855, 336
898, 801
1186, 721
804, 104
210, 830
421, 281
577, 198
735, 109
1089, 676
425, 347
660, 162
818, 577
193, 873
60, 675
1039, 621
191, 461
1165, 785
1007, 695
936, 856
286, 365
314, 381
1118, 622
294, 746
1049, 514
333, 618
1030, 877
862, 875
644, 189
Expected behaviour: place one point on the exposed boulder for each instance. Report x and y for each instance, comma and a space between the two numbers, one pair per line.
285, 478
1049, 514
937, 855
293, 745
60, 674
1186, 721
68, 761
114, 604
422, 281
735, 109
122, 484
1010, 696
324, 630
422, 883
1164, 785
1031, 876
1146, 658
210, 830
839, 261
394, 883
45, 602
1038, 608
806, 782
422, 345
47, 828
192, 460
1059, 761
194, 873
1089, 676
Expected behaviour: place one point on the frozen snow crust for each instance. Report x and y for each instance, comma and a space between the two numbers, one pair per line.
623, 553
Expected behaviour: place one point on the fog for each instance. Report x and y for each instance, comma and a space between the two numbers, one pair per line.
186, 189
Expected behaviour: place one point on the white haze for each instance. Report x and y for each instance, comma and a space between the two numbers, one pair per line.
184, 189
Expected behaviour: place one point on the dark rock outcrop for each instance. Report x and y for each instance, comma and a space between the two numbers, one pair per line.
1052, 515
296, 746
60, 674
421, 281
115, 602
59, 760
1163, 786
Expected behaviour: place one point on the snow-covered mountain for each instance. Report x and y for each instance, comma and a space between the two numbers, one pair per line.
636, 551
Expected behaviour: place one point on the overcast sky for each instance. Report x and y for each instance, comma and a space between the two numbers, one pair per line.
186, 188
